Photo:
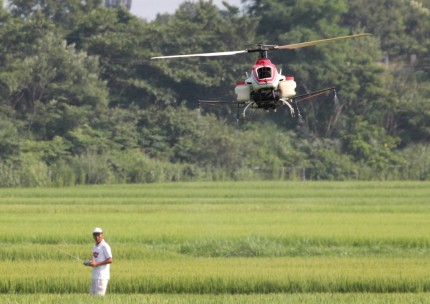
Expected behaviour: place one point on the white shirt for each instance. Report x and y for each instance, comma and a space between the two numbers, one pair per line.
101, 252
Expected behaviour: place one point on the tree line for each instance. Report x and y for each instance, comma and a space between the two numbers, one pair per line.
82, 103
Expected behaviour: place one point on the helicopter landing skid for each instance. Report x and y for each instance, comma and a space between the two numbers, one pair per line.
249, 104
273, 105
286, 103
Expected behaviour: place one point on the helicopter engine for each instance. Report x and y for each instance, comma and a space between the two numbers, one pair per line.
266, 95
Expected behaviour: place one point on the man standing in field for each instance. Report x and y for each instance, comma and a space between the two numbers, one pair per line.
100, 261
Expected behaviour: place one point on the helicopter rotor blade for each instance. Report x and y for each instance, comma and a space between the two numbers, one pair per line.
316, 42
230, 53
262, 48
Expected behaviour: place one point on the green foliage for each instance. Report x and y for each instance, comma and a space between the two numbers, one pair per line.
118, 39
34, 172
9, 140
80, 101
400, 24
53, 71
9, 174
418, 157
92, 168
64, 14
48, 151
372, 147
327, 162
410, 106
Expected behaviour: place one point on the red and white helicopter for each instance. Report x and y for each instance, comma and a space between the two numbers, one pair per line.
266, 88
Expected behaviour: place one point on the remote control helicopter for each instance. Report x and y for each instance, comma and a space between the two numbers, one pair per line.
266, 88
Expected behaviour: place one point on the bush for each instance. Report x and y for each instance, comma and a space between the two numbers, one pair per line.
92, 168
33, 172
417, 164
9, 175
62, 174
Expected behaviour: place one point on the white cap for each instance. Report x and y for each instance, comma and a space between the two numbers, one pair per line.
97, 230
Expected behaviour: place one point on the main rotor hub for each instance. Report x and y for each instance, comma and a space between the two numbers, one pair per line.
263, 49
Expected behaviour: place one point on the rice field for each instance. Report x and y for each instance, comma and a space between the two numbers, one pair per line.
237, 242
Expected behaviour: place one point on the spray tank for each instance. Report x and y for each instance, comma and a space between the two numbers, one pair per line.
243, 91
288, 87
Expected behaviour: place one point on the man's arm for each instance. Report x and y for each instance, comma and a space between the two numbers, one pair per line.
105, 262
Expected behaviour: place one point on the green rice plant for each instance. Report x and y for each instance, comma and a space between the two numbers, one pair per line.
220, 275
323, 298
220, 238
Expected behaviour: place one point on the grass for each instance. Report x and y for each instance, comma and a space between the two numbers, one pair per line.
322, 298
233, 276
269, 241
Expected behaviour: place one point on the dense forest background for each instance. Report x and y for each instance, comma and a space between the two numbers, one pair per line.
82, 103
